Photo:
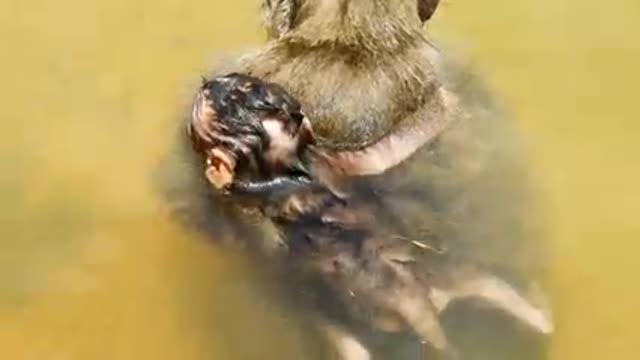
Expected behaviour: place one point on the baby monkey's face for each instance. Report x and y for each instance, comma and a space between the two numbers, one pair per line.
244, 125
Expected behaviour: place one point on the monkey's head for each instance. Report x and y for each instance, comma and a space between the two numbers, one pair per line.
245, 126
283, 16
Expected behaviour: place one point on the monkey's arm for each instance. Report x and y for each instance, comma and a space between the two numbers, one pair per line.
403, 142
274, 188
220, 171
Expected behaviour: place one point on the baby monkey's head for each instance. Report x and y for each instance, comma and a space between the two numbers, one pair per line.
243, 125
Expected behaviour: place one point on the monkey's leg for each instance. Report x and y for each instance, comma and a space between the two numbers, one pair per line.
347, 346
497, 293
422, 317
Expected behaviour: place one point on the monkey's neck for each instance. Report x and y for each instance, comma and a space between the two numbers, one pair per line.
375, 30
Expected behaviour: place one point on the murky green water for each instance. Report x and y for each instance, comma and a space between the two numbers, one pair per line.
90, 270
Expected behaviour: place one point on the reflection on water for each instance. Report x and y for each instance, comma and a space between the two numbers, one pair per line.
90, 270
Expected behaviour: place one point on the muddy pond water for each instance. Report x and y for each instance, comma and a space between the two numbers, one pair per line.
89, 269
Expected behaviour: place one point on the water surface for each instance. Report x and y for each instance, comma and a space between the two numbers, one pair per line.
89, 269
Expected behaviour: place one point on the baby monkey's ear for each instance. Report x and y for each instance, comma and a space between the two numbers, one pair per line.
219, 169
426, 9
279, 15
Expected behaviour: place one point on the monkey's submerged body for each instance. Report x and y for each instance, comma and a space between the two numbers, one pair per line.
329, 235
260, 147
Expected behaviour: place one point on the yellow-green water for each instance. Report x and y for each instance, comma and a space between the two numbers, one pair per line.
90, 270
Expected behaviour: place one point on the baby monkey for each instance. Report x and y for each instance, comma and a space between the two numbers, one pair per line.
254, 137
257, 144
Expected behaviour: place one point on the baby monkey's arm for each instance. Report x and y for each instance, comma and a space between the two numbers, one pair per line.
221, 172
274, 188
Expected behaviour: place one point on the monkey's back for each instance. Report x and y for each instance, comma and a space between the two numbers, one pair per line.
351, 97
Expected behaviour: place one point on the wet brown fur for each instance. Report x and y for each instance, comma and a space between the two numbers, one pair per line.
358, 67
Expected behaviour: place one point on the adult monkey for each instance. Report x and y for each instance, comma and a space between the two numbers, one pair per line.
362, 69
